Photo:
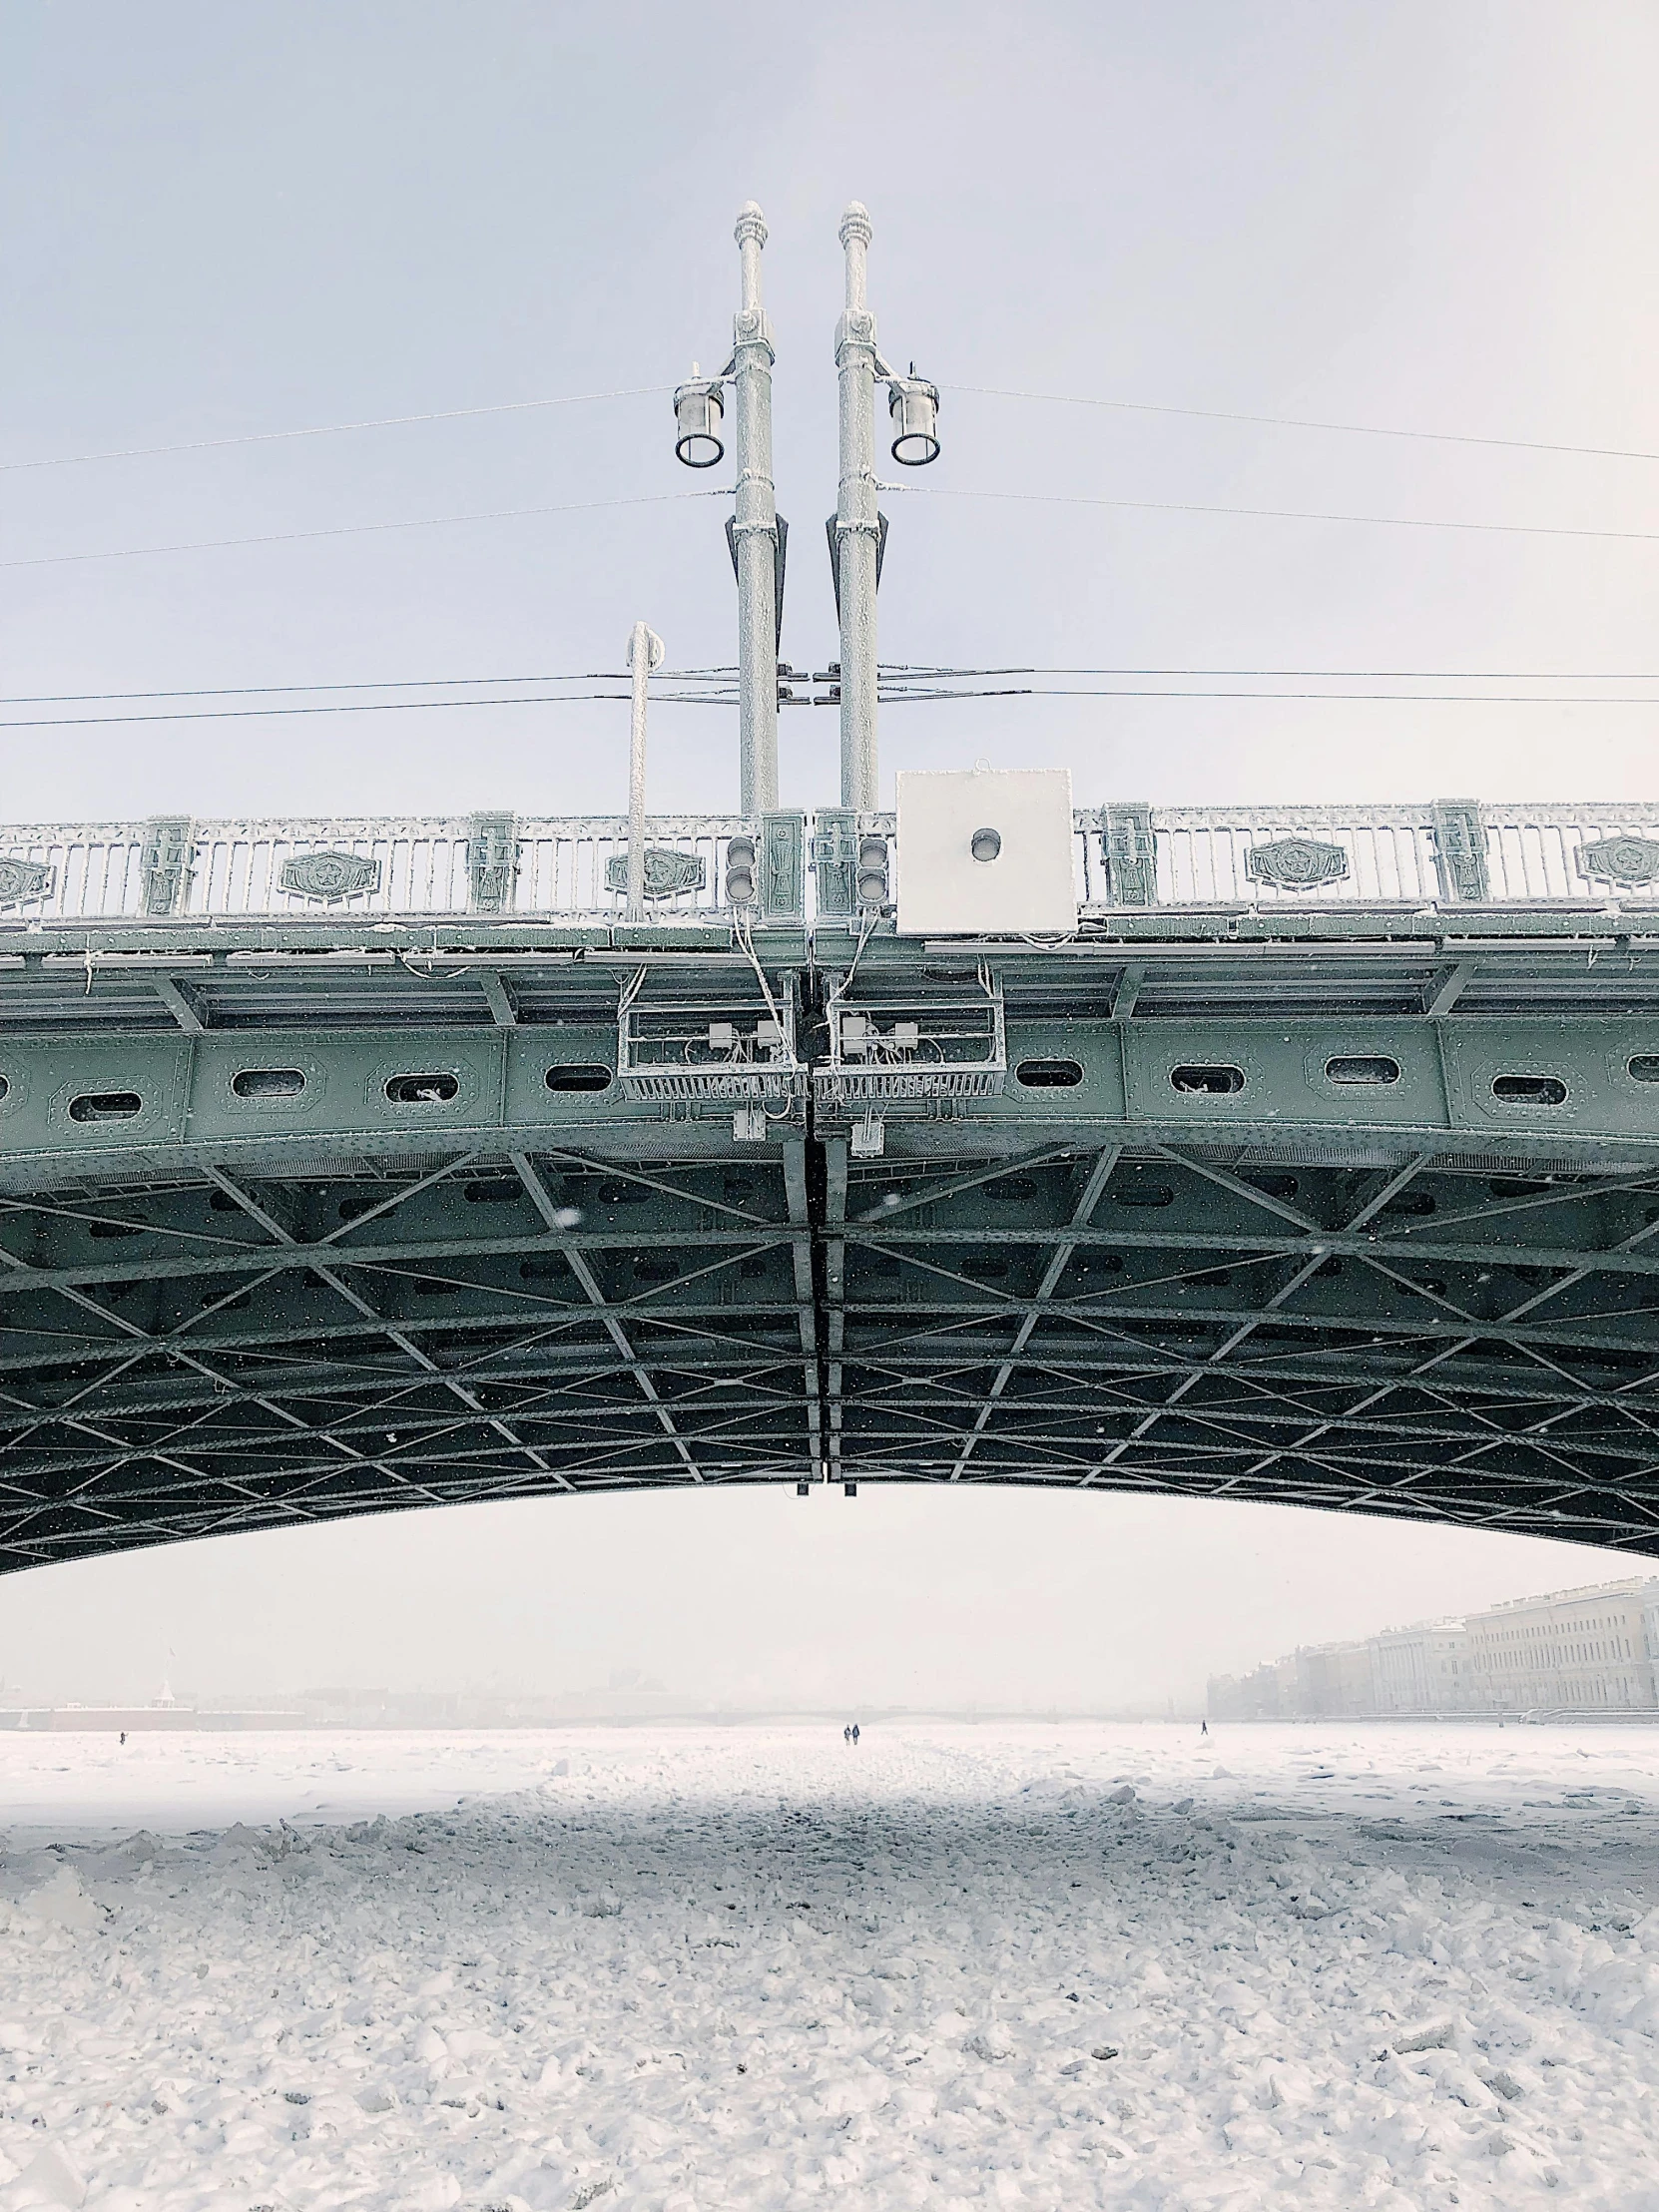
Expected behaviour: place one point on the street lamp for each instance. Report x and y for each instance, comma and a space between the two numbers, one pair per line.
859, 529
755, 533
698, 411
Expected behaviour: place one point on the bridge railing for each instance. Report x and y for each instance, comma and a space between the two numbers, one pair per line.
573, 866
1127, 857
1450, 852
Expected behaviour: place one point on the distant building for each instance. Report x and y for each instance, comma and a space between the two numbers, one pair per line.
1421, 1669
1592, 1650
1336, 1678
1577, 1650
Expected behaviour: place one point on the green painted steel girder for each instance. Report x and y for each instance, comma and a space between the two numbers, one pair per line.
289, 1235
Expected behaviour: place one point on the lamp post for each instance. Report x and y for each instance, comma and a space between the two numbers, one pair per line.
858, 524
699, 411
858, 527
758, 534
645, 651
755, 531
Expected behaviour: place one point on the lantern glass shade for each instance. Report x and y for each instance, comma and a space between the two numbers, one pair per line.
698, 409
915, 406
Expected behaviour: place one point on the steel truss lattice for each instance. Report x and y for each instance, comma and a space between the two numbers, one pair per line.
1403, 1299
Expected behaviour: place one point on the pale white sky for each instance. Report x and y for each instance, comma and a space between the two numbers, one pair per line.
224, 221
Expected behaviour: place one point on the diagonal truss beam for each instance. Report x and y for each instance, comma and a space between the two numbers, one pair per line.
530, 1176
279, 1234
1094, 1186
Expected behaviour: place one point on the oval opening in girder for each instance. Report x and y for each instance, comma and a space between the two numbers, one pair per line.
1145, 1194
268, 1083
1361, 1067
1529, 1090
1049, 1075
106, 1106
5, 1087
1272, 1184
422, 1090
1208, 1082
579, 1075
1643, 1069
502, 1190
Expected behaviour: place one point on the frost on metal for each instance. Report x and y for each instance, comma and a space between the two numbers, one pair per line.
1126, 857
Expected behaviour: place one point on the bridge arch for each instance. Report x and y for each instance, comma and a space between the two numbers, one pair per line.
302, 1216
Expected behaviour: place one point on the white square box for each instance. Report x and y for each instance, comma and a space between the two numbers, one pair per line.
985, 850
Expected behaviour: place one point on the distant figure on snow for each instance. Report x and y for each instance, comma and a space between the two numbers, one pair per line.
855, 1731
847, 1735
122, 1734
1204, 1728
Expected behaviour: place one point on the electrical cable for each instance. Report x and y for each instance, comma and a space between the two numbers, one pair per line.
416, 683
982, 392
726, 696
1271, 514
893, 673
1301, 422
901, 669
362, 529
1418, 699
332, 430
365, 707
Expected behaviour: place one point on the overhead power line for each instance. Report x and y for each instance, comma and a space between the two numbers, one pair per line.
364, 706
982, 392
900, 671
922, 491
364, 529
1271, 514
725, 694
411, 683
893, 673
1403, 699
1307, 423
334, 429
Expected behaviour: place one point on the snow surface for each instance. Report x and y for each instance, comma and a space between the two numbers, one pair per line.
705, 1970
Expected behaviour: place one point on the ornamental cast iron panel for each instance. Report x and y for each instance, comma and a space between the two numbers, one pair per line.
329, 877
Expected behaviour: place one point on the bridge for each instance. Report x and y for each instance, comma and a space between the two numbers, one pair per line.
350, 1165
1295, 1154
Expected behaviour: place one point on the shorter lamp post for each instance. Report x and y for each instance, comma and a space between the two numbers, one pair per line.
645, 651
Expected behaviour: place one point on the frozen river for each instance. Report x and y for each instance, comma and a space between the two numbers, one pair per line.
707, 1969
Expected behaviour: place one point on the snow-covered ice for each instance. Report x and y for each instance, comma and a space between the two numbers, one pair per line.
1047, 1965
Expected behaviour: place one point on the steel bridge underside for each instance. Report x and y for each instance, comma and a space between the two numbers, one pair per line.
221, 1314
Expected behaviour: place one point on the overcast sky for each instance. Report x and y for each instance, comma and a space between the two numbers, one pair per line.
227, 220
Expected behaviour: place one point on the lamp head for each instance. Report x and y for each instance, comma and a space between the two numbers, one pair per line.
915, 406
698, 413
